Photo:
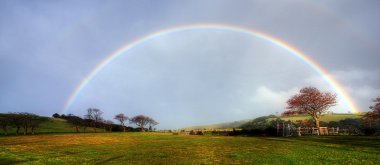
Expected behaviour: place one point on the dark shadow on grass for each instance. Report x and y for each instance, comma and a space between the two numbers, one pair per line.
279, 139
353, 141
10, 161
109, 159
23, 143
51, 133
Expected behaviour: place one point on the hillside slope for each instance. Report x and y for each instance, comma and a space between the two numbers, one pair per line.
226, 125
237, 124
53, 125
324, 118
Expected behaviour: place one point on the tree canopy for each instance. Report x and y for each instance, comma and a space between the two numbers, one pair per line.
311, 101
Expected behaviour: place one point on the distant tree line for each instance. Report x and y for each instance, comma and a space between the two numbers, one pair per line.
93, 118
28, 123
22, 121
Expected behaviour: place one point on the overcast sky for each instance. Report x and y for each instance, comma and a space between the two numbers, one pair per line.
188, 78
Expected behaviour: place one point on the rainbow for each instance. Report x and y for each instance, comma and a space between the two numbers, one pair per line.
306, 59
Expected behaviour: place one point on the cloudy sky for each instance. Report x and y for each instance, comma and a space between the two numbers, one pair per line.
192, 77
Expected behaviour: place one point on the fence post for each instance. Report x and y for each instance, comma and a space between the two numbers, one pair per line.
299, 131
278, 128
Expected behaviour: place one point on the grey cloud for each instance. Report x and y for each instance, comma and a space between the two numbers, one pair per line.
46, 48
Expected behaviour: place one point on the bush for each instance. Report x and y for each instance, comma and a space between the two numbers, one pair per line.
56, 115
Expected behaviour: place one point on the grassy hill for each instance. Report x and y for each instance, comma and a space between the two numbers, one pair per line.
324, 118
226, 125
237, 124
53, 125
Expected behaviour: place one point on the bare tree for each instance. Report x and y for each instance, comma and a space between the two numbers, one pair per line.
312, 102
121, 118
152, 123
95, 115
372, 118
140, 120
75, 120
109, 125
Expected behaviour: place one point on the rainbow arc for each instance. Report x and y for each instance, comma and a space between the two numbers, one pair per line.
265, 37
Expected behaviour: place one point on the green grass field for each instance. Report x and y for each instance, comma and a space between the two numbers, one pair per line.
163, 148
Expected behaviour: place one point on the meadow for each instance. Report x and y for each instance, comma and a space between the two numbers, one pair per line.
166, 148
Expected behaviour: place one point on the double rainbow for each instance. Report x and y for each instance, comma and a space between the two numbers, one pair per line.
293, 51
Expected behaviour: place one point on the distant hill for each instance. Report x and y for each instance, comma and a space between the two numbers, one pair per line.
53, 125
324, 118
234, 124
237, 124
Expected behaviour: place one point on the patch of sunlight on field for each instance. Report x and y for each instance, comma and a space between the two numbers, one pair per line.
164, 148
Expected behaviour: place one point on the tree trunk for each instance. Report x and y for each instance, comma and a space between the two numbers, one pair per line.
124, 128
33, 130
95, 127
317, 123
316, 120
142, 128
17, 130
25, 130
5, 130
76, 127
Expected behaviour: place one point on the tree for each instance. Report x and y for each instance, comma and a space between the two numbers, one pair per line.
56, 115
5, 122
24, 117
372, 118
151, 123
141, 121
313, 102
95, 115
103, 124
87, 123
109, 125
121, 118
35, 121
16, 120
75, 120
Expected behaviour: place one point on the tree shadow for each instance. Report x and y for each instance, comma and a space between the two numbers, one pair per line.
109, 159
353, 141
10, 161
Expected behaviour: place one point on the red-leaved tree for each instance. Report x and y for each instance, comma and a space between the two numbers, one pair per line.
311, 101
141, 121
121, 118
